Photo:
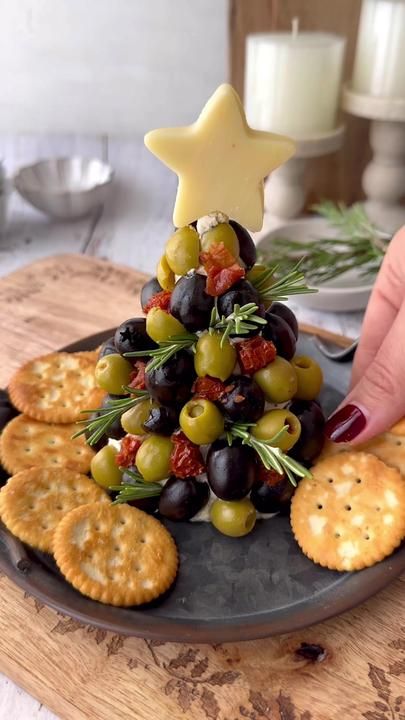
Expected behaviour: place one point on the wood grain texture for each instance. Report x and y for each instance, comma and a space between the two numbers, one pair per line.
358, 665
54, 301
336, 176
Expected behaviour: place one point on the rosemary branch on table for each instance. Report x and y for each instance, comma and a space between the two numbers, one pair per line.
95, 427
272, 457
358, 244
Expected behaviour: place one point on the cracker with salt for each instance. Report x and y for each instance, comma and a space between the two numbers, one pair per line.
26, 443
115, 554
34, 501
351, 513
57, 387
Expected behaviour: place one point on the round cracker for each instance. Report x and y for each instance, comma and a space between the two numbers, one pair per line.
351, 513
57, 387
115, 554
34, 501
26, 443
388, 447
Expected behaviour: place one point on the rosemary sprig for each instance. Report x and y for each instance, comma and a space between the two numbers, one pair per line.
358, 244
136, 489
166, 350
106, 416
272, 457
271, 288
239, 322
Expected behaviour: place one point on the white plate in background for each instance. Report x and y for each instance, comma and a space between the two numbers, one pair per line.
346, 293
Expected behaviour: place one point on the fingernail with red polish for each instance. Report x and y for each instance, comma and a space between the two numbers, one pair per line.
345, 424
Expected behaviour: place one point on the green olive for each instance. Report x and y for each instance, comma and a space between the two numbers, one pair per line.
272, 422
201, 421
183, 250
221, 233
278, 380
132, 420
161, 326
212, 359
233, 517
112, 373
165, 275
309, 377
255, 272
153, 458
104, 469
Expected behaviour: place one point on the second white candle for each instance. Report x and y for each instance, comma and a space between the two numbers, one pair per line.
292, 82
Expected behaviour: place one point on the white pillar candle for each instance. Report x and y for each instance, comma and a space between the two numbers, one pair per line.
379, 66
292, 82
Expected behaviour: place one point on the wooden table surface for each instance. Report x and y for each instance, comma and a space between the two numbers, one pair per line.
131, 230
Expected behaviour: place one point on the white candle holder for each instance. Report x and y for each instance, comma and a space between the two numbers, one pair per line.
285, 192
383, 179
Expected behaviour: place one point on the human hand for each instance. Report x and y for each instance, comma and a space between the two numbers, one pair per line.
376, 399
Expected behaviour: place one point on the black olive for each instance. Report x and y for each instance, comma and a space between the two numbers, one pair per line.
7, 410
171, 383
108, 348
131, 336
281, 335
272, 497
151, 288
190, 303
181, 499
162, 420
247, 248
283, 311
243, 400
231, 470
240, 294
311, 440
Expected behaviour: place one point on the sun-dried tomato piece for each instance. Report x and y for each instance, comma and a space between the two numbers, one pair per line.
223, 280
216, 257
222, 269
160, 300
270, 477
254, 354
209, 388
137, 376
130, 445
186, 459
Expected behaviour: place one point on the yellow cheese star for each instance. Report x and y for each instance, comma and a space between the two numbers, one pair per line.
220, 161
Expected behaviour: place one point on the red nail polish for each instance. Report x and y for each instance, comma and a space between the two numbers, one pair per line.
345, 424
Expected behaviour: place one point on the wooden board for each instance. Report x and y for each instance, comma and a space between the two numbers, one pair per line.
87, 674
337, 176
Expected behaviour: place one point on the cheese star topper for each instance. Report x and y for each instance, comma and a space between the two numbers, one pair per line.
220, 161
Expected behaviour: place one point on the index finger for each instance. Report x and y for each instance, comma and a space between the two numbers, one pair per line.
386, 299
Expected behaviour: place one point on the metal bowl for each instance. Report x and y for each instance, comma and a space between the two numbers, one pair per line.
65, 188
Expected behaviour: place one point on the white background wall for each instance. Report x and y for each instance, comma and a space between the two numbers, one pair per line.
108, 66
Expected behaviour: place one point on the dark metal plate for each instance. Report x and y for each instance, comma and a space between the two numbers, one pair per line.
227, 589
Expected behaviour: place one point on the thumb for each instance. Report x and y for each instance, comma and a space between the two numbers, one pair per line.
377, 400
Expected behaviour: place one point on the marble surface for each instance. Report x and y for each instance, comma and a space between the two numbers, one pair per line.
131, 229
